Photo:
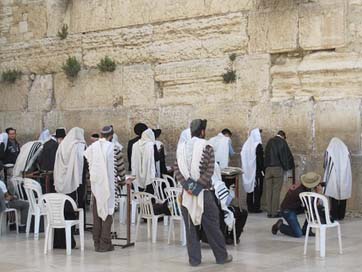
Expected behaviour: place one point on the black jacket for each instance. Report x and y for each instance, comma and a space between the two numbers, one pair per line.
46, 159
12, 152
277, 153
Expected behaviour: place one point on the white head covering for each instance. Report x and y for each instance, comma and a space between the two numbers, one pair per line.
221, 143
185, 136
116, 141
338, 173
4, 139
45, 136
143, 160
248, 159
69, 161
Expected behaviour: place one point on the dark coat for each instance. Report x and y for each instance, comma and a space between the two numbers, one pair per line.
277, 153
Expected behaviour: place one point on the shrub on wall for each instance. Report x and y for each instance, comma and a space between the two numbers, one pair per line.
63, 32
10, 76
71, 67
107, 65
229, 76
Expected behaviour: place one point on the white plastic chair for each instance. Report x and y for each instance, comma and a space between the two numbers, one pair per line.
34, 193
159, 185
54, 205
310, 201
18, 183
176, 214
146, 212
3, 217
122, 207
170, 180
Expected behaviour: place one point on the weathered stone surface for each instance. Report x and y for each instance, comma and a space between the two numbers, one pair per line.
322, 27
89, 90
41, 96
340, 120
14, 95
274, 30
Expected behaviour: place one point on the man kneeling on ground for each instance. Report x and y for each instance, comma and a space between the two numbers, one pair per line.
292, 206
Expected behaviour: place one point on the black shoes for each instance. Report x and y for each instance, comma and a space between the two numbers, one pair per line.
277, 215
276, 226
228, 259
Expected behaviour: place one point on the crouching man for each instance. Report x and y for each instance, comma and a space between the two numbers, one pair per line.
292, 206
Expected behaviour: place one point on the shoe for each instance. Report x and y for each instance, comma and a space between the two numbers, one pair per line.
229, 241
276, 226
22, 229
110, 248
195, 264
228, 259
255, 211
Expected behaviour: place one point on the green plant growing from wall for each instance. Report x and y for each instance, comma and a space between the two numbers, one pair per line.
230, 75
107, 65
63, 32
11, 75
71, 67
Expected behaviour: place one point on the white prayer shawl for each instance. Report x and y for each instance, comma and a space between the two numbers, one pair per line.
221, 143
115, 140
158, 164
45, 136
69, 162
4, 139
185, 136
338, 173
29, 152
143, 159
222, 193
189, 155
100, 157
248, 160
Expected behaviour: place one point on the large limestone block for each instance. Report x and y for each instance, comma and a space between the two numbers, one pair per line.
148, 115
28, 124
322, 26
354, 23
338, 119
40, 97
273, 30
91, 89
40, 56
14, 95
253, 76
139, 85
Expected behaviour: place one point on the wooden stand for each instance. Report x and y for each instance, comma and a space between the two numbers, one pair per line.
128, 238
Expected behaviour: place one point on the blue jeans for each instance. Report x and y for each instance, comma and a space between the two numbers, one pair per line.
292, 228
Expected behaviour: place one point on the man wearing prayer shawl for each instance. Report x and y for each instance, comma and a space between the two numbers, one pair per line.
106, 168
194, 169
252, 162
221, 144
138, 130
338, 177
161, 154
69, 177
278, 159
143, 160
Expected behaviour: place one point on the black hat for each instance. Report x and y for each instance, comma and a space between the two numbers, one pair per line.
157, 132
95, 135
140, 128
60, 133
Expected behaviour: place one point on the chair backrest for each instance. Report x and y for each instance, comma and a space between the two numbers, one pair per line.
54, 204
145, 202
311, 201
174, 201
18, 183
170, 180
159, 186
33, 192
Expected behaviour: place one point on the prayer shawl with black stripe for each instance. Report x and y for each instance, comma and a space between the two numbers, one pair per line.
119, 172
29, 152
338, 173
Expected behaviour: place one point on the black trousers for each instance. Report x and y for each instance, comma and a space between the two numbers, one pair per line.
338, 208
253, 199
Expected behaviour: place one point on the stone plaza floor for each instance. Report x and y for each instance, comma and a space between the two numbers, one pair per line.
258, 250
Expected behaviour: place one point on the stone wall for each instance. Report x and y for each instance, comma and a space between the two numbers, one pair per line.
298, 66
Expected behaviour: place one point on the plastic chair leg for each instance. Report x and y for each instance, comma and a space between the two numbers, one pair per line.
169, 231
133, 213
234, 233
137, 227
154, 229
165, 220
339, 239
17, 222
68, 239
322, 237
81, 235
317, 240
28, 222
183, 232
36, 226
306, 240
47, 234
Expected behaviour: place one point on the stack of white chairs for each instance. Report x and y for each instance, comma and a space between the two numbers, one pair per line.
34, 193
159, 186
311, 201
